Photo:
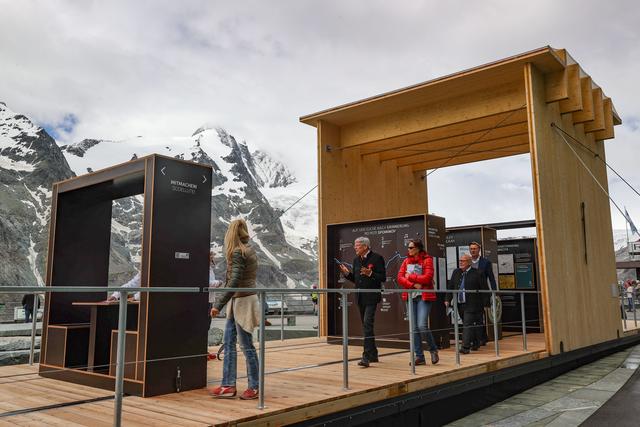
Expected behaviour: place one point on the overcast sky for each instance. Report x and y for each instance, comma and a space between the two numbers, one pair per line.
116, 69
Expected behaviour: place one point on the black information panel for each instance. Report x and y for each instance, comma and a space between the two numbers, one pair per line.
518, 270
177, 322
389, 238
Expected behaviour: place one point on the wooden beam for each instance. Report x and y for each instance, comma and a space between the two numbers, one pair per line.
607, 132
532, 81
562, 54
463, 149
556, 85
573, 265
330, 200
507, 96
587, 113
574, 102
448, 131
598, 108
441, 144
512, 150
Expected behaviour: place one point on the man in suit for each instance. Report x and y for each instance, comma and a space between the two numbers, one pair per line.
368, 273
484, 265
470, 304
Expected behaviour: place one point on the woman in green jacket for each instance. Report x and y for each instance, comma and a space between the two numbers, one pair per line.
243, 311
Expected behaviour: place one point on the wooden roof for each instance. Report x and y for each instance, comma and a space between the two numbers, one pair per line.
546, 59
472, 115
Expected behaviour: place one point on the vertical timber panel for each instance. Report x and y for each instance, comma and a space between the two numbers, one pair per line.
578, 307
330, 201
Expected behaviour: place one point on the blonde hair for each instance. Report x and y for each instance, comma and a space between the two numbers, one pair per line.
237, 237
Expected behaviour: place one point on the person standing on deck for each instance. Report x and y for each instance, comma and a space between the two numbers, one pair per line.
243, 312
470, 304
416, 272
369, 272
484, 265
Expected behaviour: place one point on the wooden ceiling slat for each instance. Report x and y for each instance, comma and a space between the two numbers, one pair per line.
474, 157
488, 135
488, 148
453, 130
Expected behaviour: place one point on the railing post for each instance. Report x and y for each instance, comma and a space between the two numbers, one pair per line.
345, 341
316, 307
495, 323
412, 344
263, 300
281, 317
122, 326
34, 326
524, 323
455, 326
624, 312
633, 306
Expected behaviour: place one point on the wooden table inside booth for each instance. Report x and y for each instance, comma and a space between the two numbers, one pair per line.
103, 322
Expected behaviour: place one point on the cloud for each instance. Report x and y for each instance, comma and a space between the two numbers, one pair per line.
159, 68
63, 128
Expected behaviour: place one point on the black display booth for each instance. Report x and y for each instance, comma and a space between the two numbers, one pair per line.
518, 268
166, 338
389, 238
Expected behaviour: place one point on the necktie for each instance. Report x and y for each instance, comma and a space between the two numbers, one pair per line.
461, 297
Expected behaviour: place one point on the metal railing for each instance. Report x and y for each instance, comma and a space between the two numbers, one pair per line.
122, 324
630, 303
342, 293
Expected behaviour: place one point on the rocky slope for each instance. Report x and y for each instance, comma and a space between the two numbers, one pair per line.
30, 161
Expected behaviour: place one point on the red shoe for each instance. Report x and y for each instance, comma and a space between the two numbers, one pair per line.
223, 392
249, 394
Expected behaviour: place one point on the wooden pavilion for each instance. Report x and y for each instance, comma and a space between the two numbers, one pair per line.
500, 109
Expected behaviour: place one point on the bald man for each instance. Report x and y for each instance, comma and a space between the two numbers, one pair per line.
470, 304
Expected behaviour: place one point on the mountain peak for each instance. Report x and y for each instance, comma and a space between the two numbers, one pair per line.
13, 125
80, 148
272, 172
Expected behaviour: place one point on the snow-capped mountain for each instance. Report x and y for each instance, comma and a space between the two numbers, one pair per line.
30, 161
246, 184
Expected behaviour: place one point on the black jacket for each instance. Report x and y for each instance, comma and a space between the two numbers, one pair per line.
474, 280
28, 301
378, 277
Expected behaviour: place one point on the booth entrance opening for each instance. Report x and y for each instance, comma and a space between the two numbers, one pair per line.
166, 337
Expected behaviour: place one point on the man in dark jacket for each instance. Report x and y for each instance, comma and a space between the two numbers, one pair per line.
471, 304
484, 265
368, 273
27, 304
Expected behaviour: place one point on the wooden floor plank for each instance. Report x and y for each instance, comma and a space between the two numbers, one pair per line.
290, 394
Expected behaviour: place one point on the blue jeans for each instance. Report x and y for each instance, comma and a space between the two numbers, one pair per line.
421, 309
232, 333
28, 314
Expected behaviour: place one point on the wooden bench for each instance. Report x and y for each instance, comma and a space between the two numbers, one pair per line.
67, 345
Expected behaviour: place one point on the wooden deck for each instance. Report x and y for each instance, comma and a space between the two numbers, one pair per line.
295, 391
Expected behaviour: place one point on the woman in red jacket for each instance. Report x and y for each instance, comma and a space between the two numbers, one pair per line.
416, 272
